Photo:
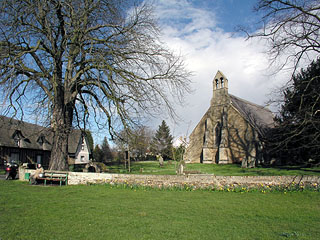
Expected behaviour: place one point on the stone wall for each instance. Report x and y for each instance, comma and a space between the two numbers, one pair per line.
197, 180
22, 171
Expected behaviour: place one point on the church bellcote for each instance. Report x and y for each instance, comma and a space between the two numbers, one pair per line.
220, 88
220, 82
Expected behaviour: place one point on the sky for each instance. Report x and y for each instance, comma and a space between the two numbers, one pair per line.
204, 32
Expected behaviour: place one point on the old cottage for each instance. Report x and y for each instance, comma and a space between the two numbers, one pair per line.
30, 143
231, 131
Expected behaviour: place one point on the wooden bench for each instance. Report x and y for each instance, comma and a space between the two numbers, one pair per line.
54, 176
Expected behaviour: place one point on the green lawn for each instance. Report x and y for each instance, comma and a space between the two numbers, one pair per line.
102, 212
152, 167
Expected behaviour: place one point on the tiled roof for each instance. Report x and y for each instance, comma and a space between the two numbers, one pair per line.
32, 136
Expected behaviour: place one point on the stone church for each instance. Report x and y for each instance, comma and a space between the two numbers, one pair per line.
230, 131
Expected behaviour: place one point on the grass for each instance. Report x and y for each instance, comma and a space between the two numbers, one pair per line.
103, 212
169, 168
145, 167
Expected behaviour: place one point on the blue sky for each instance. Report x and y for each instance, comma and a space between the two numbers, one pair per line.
230, 13
226, 14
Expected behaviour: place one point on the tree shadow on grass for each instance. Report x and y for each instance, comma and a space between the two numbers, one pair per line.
302, 168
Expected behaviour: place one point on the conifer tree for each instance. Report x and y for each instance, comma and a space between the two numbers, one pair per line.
296, 139
90, 139
162, 141
106, 151
97, 154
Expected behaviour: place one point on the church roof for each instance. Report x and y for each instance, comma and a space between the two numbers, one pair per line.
32, 135
258, 116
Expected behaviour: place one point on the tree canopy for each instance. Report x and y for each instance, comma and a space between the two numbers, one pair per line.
90, 139
70, 61
106, 151
139, 142
296, 138
97, 154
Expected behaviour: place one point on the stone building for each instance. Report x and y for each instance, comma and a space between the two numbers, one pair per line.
230, 131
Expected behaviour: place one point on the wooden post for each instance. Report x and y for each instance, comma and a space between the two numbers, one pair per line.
129, 165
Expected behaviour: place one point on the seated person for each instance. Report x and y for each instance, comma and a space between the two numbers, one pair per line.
36, 174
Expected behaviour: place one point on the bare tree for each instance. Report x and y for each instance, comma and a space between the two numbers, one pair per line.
139, 141
135, 143
291, 28
70, 60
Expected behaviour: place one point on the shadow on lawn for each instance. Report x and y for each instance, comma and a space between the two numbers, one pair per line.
302, 168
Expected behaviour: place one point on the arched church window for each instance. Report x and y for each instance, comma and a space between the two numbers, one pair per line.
217, 83
217, 134
222, 82
205, 137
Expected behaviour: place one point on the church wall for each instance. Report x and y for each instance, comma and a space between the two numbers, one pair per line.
202, 147
223, 135
241, 136
194, 150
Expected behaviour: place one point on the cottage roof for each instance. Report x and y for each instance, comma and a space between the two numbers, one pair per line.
32, 136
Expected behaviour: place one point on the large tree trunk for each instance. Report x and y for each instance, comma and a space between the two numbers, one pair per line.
59, 152
61, 124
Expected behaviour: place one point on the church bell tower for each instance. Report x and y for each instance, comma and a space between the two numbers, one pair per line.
220, 89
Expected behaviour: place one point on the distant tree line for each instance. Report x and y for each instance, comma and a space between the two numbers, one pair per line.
141, 143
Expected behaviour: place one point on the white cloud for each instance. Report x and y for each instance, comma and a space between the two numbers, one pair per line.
182, 16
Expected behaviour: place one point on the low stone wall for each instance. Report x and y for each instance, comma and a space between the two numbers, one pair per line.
22, 171
197, 180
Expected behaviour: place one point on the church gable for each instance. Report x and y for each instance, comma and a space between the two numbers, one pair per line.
229, 131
